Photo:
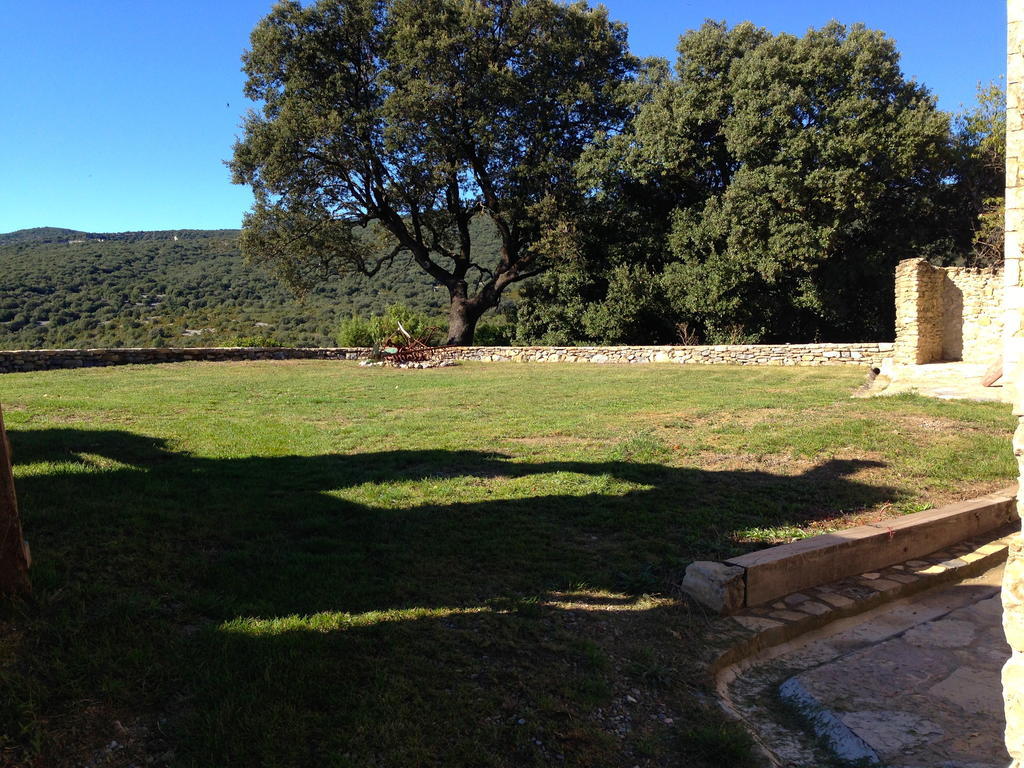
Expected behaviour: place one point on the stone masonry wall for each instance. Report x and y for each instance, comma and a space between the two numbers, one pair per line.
919, 313
739, 354
722, 354
973, 314
1013, 355
947, 313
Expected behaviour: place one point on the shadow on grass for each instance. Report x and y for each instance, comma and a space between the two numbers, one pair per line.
434, 633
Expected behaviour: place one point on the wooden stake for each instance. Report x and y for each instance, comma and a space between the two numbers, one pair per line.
14, 557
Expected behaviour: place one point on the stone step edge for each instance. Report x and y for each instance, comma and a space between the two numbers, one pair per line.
761, 629
763, 576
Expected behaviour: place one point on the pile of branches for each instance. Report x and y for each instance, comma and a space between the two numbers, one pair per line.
403, 350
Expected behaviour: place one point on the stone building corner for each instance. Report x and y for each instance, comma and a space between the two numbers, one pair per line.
1013, 356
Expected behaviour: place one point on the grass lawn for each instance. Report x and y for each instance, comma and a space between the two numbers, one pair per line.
316, 564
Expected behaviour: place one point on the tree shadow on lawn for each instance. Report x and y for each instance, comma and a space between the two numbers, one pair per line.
442, 626
262, 536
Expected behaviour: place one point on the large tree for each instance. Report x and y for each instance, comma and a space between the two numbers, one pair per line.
388, 125
797, 170
838, 170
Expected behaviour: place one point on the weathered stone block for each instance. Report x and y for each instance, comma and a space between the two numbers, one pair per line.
718, 586
1013, 700
1013, 597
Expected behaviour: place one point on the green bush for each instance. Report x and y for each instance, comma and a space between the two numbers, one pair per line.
252, 341
493, 334
359, 332
354, 331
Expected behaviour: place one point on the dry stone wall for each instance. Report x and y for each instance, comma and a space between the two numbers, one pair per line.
918, 313
947, 313
722, 354
972, 314
736, 354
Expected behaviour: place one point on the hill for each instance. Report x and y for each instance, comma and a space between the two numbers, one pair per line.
71, 289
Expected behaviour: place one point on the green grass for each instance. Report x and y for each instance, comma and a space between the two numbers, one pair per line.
315, 564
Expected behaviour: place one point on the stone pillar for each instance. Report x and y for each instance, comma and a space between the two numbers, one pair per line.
1013, 300
919, 313
1013, 357
13, 550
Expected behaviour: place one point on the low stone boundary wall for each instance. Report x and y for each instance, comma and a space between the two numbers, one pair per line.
15, 361
719, 354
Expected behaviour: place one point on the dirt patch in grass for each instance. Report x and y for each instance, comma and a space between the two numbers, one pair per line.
332, 422
928, 423
762, 417
76, 416
932, 425
719, 419
549, 441
776, 464
93, 735
938, 497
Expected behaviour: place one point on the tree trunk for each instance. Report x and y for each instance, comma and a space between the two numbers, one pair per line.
13, 549
462, 319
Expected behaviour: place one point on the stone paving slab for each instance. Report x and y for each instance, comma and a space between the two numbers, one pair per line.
884, 666
928, 697
946, 381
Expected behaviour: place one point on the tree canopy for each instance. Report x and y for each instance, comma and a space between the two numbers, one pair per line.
388, 126
981, 141
785, 177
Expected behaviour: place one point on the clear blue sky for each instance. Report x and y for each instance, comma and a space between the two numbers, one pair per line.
117, 114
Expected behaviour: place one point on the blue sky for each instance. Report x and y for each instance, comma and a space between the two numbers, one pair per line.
118, 115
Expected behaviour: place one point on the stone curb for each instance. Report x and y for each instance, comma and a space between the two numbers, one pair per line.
782, 570
846, 744
761, 577
802, 612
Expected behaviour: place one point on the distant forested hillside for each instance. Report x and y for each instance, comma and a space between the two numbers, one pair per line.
64, 288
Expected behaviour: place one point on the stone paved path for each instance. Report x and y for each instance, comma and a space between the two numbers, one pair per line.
942, 380
914, 684
928, 697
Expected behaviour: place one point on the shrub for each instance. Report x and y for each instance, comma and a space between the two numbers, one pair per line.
354, 331
252, 341
359, 332
493, 334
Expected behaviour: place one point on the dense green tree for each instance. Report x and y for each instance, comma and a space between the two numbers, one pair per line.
834, 168
981, 141
609, 291
388, 126
793, 172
